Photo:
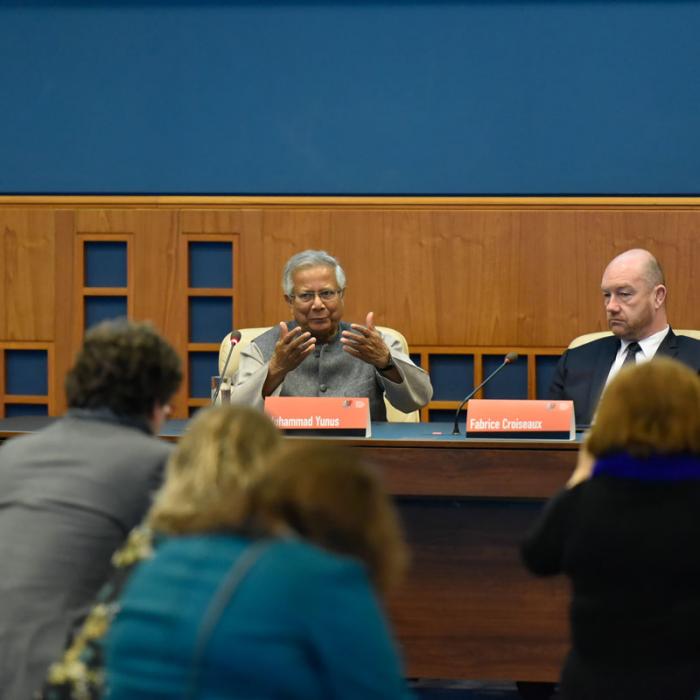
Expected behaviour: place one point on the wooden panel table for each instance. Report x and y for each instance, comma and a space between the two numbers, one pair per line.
468, 610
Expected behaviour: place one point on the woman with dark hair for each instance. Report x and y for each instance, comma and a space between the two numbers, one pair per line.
626, 531
271, 598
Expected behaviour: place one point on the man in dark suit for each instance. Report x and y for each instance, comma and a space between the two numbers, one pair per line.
71, 492
634, 294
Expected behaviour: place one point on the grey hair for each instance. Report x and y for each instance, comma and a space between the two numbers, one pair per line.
653, 273
310, 258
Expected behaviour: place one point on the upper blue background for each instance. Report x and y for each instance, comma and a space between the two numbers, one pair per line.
465, 98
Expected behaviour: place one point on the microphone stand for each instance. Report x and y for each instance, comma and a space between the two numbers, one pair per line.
510, 357
235, 339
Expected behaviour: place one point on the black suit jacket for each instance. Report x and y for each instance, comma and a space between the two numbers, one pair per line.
581, 372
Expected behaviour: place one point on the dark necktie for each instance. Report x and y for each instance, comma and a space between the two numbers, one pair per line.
632, 350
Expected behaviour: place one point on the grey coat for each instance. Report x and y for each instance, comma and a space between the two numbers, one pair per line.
69, 495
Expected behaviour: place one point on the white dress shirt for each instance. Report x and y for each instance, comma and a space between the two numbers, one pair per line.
648, 345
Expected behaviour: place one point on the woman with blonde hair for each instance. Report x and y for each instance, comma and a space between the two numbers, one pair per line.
626, 531
273, 598
208, 475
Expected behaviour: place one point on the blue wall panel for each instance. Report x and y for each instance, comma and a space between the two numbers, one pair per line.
471, 97
211, 318
203, 366
100, 308
26, 372
25, 409
452, 376
509, 383
210, 264
105, 264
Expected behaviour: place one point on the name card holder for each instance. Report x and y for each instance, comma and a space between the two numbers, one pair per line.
521, 420
325, 416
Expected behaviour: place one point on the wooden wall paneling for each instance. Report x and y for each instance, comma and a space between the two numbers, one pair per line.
66, 343
448, 272
284, 233
502, 252
250, 271
102, 224
470, 276
2, 382
28, 275
230, 226
3, 280
532, 375
27, 399
679, 252
212, 347
158, 283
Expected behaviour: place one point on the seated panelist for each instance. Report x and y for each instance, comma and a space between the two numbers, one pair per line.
319, 354
634, 294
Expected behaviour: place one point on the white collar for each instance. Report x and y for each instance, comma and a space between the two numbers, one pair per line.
649, 345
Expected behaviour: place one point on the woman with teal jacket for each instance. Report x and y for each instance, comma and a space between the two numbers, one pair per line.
266, 592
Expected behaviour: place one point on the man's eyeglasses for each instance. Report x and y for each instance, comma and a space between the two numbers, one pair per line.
325, 295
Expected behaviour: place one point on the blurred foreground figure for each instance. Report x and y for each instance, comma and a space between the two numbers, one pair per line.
218, 458
626, 532
267, 596
70, 493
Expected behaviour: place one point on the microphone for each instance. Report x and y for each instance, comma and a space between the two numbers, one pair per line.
508, 359
235, 338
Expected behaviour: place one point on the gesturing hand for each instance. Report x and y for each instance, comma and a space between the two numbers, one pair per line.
365, 343
291, 349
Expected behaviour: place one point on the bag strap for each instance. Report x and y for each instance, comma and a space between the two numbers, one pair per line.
238, 571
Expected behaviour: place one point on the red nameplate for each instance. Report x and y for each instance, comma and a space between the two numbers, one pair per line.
338, 415
542, 420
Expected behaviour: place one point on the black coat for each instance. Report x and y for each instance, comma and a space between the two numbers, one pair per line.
631, 551
581, 372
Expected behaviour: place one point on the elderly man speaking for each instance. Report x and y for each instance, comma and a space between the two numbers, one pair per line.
318, 354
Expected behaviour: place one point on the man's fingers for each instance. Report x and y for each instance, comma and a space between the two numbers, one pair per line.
351, 338
306, 344
308, 349
292, 336
352, 351
370, 320
357, 329
283, 329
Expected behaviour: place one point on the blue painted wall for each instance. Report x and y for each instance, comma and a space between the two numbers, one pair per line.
492, 97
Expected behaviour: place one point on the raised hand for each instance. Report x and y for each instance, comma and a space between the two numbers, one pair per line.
291, 350
365, 343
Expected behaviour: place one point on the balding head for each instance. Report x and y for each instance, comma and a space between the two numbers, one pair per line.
639, 262
635, 295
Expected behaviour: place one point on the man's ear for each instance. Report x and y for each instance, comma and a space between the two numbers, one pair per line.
659, 295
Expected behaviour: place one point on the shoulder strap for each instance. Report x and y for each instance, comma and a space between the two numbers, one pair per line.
238, 571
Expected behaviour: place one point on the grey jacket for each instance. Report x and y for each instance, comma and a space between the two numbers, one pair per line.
69, 495
332, 372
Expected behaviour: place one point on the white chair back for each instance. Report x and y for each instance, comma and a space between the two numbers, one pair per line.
590, 337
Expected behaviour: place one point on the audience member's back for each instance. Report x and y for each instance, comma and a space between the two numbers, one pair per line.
70, 493
302, 623
626, 533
